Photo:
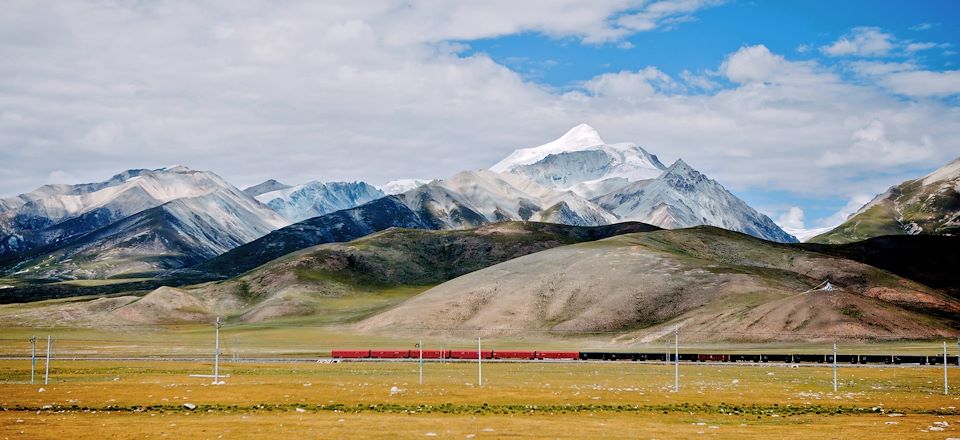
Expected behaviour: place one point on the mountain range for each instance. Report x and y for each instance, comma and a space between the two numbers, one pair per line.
143, 223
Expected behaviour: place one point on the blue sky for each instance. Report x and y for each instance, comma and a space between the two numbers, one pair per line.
797, 29
715, 32
806, 109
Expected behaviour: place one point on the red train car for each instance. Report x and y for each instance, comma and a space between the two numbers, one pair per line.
470, 354
431, 354
558, 355
389, 354
352, 354
514, 354
713, 358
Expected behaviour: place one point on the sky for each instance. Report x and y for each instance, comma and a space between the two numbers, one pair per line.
804, 109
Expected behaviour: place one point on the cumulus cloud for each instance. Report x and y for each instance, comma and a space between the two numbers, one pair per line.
792, 219
862, 41
630, 85
873, 145
924, 83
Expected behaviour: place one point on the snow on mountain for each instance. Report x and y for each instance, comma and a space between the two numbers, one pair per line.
56, 217
317, 198
265, 187
402, 185
472, 198
582, 162
683, 197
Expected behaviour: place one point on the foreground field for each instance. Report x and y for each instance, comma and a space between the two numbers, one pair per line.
545, 400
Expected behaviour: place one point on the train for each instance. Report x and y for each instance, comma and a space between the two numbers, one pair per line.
520, 355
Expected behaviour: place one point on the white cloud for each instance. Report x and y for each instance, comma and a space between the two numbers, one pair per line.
792, 219
924, 83
880, 68
915, 47
862, 41
382, 90
699, 81
663, 12
756, 64
853, 205
921, 27
630, 85
872, 145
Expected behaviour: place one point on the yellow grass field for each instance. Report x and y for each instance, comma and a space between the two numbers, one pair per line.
129, 399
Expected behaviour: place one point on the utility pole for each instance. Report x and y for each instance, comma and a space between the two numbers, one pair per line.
945, 389
479, 363
46, 375
834, 367
33, 358
420, 345
216, 356
676, 361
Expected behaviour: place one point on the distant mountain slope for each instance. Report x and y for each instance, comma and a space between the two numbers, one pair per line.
56, 213
634, 185
339, 226
265, 187
202, 217
716, 284
683, 197
177, 234
311, 199
928, 205
402, 185
472, 198
466, 200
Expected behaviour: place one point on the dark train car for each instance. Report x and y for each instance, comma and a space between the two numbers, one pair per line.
910, 359
846, 358
611, 356
389, 354
938, 360
350, 354
558, 355
688, 357
470, 354
876, 359
811, 358
431, 354
593, 356
662, 357
713, 358
776, 358
497, 354
953, 360
744, 358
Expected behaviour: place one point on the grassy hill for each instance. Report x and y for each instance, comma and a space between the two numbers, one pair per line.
717, 284
341, 282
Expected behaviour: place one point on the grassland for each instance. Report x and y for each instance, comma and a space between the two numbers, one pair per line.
378, 400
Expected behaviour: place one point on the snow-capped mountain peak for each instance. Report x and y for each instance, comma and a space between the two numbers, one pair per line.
580, 161
577, 138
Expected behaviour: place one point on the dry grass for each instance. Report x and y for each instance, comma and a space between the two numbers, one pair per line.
587, 400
